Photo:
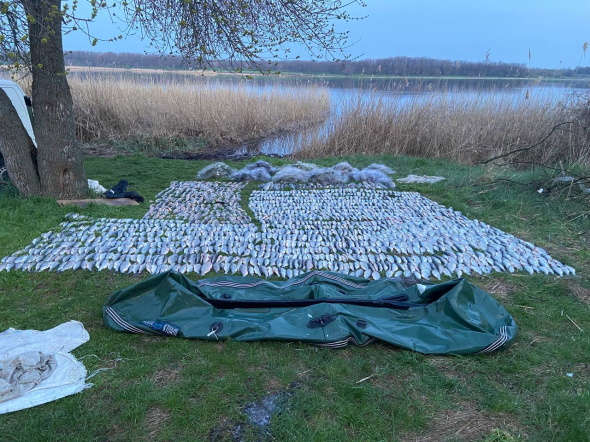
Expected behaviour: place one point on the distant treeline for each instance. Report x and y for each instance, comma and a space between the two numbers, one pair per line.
398, 66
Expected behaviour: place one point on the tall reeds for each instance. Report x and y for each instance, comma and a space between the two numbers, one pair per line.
111, 108
464, 127
461, 127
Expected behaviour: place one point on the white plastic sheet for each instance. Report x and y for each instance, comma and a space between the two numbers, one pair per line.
69, 374
420, 179
95, 186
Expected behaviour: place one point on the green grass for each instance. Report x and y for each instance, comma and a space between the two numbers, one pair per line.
173, 389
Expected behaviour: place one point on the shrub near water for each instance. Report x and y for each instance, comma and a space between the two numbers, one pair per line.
465, 128
121, 109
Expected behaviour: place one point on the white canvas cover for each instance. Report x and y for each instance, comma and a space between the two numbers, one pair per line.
38, 367
17, 97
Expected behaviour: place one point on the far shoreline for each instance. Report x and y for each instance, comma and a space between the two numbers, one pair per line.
212, 73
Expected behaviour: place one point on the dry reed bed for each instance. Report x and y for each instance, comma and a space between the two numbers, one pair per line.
118, 109
464, 128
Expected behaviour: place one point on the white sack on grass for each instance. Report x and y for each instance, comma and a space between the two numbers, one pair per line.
420, 179
24, 373
51, 348
96, 187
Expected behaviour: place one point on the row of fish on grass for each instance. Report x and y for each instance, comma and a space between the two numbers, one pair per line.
201, 202
380, 231
359, 230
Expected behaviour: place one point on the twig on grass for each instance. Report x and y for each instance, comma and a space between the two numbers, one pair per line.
573, 322
366, 379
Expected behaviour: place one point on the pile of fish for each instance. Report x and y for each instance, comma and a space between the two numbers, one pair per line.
200, 202
358, 229
372, 232
301, 186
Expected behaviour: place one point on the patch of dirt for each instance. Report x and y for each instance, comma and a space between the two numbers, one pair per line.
466, 423
498, 287
216, 154
237, 152
346, 354
227, 430
393, 385
582, 293
544, 371
271, 383
166, 377
102, 150
155, 419
46, 292
150, 339
446, 366
581, 379
530, 338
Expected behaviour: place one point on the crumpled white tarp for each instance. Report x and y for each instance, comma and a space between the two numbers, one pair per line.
26, 353
95, 186
420, 179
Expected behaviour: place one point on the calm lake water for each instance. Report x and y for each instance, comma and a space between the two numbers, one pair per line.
400, 92
344, 90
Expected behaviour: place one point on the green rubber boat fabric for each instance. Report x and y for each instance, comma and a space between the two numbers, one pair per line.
321, 308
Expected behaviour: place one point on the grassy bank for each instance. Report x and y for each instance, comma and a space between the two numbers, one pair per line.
172, 389
460, 128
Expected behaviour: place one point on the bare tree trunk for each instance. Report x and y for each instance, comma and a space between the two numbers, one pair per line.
17, 149
61, 163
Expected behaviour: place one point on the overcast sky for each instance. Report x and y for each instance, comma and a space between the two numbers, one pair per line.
553, 30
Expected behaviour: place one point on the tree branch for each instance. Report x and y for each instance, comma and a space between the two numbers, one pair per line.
527, 148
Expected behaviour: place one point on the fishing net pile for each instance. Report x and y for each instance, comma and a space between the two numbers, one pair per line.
300, 172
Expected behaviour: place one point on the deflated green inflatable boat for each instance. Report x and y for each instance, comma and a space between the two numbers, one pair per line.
321, 308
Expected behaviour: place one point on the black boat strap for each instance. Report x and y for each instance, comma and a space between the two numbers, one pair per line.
398, 302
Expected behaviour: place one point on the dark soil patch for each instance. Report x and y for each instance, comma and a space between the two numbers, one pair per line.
582, 293
258, 415
448, 367
236, 152
166, 377
498, 287
155, 419
224, 153
227, 431
102, 150
466, 423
